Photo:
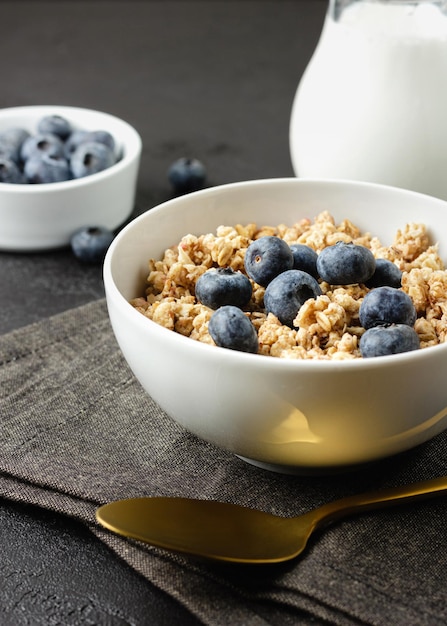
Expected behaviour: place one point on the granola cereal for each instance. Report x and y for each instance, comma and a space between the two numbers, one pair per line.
325, 328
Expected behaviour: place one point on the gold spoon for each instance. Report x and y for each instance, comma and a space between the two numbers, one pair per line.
228, 532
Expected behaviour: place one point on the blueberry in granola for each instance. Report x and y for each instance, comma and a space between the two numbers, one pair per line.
305, 259
286, 294
230, 328
220, 286
388, 339
346, 264
387, 305
385, 274
266, 258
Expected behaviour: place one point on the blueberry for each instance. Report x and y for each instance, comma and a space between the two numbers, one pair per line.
100, 136
305, 259
10, 172
89, 244
387, 305
230, 328
346, 264
46, 168
221, 286
73, 141
286, 294
385, 274
266, 258
11, 141
77, 137
186, 175
90, 158
38, 144
388, 339
54, 125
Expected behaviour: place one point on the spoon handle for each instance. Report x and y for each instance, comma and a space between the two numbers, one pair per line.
381, 498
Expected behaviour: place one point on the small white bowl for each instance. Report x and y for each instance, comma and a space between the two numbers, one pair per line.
44, 216
287, 415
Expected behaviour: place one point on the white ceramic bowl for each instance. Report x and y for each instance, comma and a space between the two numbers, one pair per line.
282, 414
40, 217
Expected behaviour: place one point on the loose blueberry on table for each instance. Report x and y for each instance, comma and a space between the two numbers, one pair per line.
186, 175
90, 244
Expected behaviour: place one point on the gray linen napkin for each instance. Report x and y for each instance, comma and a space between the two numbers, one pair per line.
78, 431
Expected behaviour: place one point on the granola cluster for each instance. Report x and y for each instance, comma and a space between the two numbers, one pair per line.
327, 327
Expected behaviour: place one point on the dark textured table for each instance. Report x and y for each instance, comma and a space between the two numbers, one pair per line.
214, 80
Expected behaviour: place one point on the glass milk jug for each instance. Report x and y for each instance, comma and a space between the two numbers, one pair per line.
372, 103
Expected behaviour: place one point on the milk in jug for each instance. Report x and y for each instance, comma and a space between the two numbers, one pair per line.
372, 103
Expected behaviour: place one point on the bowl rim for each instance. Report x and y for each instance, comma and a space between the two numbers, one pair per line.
131, 149
148, 326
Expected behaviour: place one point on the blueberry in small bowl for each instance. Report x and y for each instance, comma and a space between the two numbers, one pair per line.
43, 200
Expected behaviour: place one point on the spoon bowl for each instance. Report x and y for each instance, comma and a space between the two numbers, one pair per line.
227, 532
